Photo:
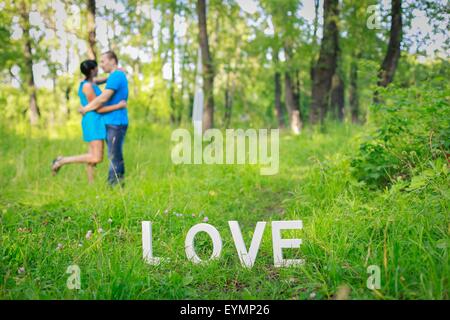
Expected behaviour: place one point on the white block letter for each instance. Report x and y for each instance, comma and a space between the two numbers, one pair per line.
189, 242
147, 243
279, 244
247, 258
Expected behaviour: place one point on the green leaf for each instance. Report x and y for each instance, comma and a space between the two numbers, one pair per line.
442, 243
187, 279
417, 182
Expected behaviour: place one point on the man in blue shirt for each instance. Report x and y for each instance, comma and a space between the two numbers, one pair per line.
116, 122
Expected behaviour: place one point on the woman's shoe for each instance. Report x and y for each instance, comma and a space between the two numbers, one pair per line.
55, 170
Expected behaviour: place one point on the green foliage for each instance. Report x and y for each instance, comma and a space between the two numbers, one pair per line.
412, 131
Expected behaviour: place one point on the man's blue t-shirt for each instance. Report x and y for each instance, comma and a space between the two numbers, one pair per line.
118, 82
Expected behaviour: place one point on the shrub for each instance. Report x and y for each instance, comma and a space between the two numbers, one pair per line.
412, 130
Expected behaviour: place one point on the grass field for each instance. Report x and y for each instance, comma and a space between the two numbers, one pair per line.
347, 227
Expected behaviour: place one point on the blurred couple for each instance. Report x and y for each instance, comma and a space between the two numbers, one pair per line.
105, 117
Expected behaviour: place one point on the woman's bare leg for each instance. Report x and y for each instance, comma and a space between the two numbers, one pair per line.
97, 150
90, 172
90, 167
94, 156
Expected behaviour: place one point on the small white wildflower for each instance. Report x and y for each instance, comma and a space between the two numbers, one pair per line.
109, 220
59, 247
205, 219
89, 234
312, 295
100, 230
21, 270
166, 211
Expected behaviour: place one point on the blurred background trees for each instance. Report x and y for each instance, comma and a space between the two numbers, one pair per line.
271, 63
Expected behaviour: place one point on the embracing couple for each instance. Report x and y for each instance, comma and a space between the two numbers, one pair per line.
105, 117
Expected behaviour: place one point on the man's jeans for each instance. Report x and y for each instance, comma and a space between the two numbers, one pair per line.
115, 136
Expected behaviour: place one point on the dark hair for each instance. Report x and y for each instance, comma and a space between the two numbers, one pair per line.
87, 66
111, 55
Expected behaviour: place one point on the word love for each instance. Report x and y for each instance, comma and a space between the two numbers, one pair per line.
247, 257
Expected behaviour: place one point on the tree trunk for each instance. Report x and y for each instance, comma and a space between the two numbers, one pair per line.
28, 55
68, 88
326, 64
279, 111
354, 96
190, 104
337, 95
34, 108
316, 20
292, 106
314, 37
390, 62
229, 91
51, 118
290, 96
92, 52
207, 67
173, 108
184, 83
297, 88
337, 98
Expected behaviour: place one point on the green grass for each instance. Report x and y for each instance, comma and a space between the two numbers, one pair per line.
347, 227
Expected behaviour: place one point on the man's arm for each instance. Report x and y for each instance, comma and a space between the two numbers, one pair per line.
98, 101
122, 104
100, 80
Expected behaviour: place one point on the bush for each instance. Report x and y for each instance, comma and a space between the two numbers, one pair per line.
412, 130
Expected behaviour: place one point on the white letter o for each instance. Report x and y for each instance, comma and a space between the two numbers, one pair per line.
189, 242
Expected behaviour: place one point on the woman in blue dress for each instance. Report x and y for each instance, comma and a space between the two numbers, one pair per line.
94, 130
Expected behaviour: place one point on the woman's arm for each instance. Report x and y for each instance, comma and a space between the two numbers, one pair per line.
94, 101
90, 95
122, 104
